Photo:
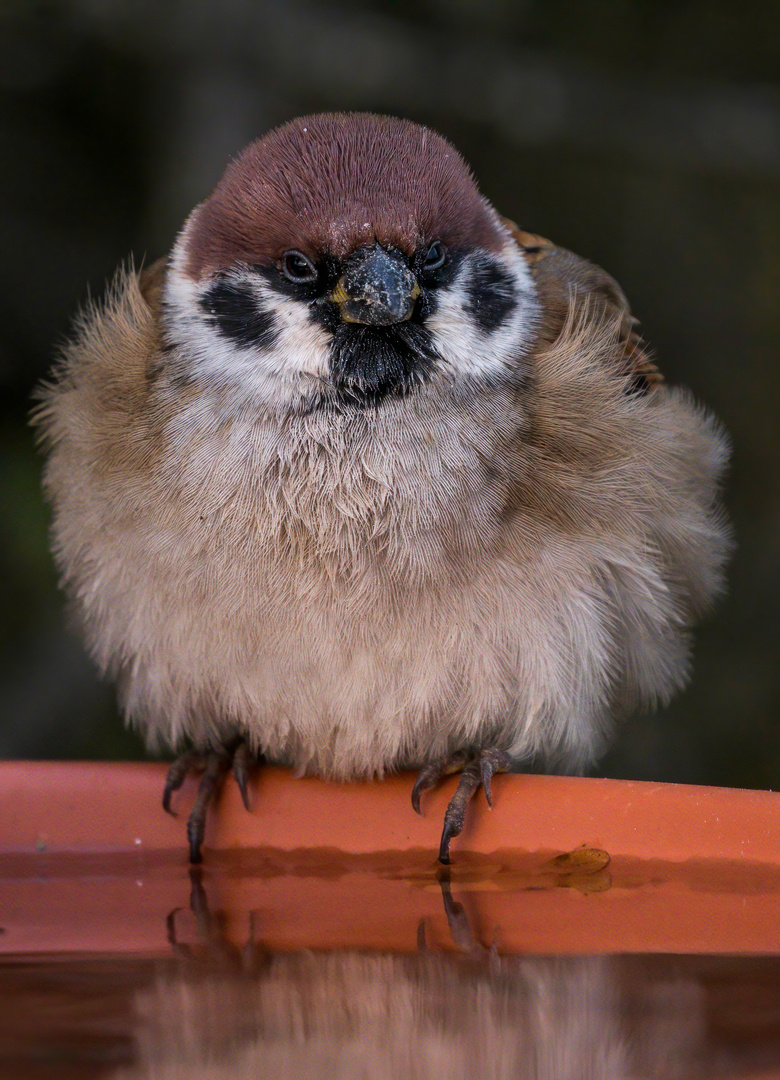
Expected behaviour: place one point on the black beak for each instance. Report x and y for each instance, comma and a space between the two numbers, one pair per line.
377, 288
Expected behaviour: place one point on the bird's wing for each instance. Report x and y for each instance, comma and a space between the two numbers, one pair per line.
568, 285
150, 281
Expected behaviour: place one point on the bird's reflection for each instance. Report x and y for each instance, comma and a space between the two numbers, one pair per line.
218, 1010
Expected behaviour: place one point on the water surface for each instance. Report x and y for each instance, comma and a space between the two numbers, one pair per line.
309, 965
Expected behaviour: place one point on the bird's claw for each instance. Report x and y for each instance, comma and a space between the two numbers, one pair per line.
191, 761
242, 759
476, 772
214, 765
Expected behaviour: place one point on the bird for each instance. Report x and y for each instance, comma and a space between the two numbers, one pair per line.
363, 477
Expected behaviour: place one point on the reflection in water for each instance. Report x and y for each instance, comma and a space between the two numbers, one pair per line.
349, 1015
219, 1011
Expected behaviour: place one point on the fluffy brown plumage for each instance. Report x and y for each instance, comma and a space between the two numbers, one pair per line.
470, 526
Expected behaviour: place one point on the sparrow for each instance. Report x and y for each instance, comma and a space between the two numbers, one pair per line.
363, 477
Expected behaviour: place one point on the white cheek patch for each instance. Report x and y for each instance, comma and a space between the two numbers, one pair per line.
295, 358
468, 343
293, 363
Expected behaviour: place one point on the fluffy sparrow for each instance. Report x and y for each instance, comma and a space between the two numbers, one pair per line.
363, 477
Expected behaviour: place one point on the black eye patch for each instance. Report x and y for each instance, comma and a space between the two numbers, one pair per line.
491, 294
236, 312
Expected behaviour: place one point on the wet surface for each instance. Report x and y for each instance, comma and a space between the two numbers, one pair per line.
532, 902
314, 964
219, 1012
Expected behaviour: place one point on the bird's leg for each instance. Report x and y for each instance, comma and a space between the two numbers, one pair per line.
214, 765
455, 814
217, 765
477, 770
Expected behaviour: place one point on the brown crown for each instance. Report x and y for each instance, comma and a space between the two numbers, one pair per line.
336, 181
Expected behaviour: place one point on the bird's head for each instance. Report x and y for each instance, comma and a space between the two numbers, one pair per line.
346, 258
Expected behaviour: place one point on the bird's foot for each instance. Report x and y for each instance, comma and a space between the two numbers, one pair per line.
214, 764
477, 770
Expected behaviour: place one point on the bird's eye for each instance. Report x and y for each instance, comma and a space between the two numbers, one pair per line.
435, 257
298, 268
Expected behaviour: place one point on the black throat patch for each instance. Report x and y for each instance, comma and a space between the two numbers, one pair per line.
368, 363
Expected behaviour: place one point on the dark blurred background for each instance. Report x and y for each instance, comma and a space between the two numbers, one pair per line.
645, 135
